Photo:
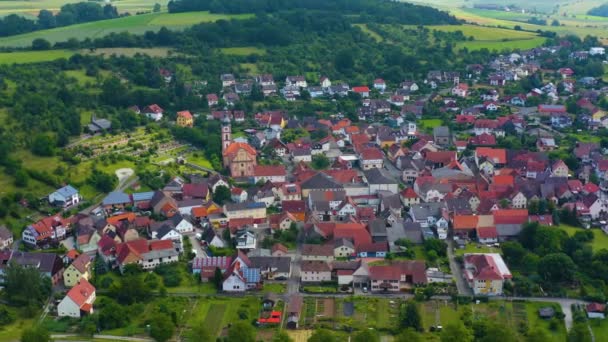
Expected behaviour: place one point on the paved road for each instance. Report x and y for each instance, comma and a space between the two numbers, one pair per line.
461, 285
293, 285
121, 187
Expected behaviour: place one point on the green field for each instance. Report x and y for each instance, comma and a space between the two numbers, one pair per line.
492, 38
137, 24
430, 123
600, 239
33, 7
372, 34
243, 51
217, 313
33, 56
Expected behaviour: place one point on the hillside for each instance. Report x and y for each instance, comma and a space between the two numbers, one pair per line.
137, 24
33, 7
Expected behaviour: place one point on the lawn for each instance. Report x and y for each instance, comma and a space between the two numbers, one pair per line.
217, 313
129, 52
33, 56
274, 288
136, 24
12, 332
243, 51
534, 321
474, 247
600, 239
430, 123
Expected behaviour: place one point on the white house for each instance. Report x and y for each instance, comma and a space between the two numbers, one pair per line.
315, 271
78, 301
597, 51
181, 224
380, 85
486, 273
246, 240
65, 197
325, 82
298, 81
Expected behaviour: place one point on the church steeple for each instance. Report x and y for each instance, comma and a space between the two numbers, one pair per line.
226, 135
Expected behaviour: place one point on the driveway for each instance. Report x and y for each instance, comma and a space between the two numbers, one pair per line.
463, 287
196, 245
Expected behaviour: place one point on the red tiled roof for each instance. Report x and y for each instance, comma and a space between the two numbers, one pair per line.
269, 170
294, 206
465, 221
510, 216
498, 155
444, 157
236, 146
487, 232
199, 190
80, 293
415, 268
596, 307
361, 89
371, 154
485, 267
591, 188
185, 114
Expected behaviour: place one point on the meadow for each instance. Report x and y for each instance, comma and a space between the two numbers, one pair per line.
33, 7
493, 38
137, 24
243, 51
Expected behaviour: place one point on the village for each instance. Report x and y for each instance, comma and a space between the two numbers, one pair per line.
390, 205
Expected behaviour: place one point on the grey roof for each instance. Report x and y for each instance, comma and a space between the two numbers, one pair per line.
343, 242
392, 201
394, 233
177, 219
5, 234
413, 232
345, 265
441, 131
259, 252
379, 176
164, 230
423, 210
321, 181
102, 123
67, 191
377, 227
281, 264
508, 230
143, 196
157, 254
244, 206
43, 262
208, 235
116, 197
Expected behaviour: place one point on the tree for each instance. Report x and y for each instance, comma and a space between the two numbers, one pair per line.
221, 194
320, 162
6, 316
43, 145
156, 8
345, 60
241, 332
556, 267
456, 332
112, 315
102, 181
439, 246
35, 334
367, 336
410, 316
218, 278
161, 327
24, 286
40, 44
537, 335
322, 335
21, 178
408, 335
46, 19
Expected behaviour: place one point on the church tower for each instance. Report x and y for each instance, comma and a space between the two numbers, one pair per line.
226, 135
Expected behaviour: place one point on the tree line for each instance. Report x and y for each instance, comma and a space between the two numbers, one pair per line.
69, 14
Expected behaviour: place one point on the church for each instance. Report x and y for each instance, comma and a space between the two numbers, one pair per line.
239, 157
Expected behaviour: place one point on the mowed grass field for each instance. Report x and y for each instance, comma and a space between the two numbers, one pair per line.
243, 51
492, 38
34, 6
25, 57
136, 24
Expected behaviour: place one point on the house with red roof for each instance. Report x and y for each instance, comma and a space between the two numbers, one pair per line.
380, 85
47, 230
240, 158
484, 139
596, 310
461, 90
147, 253
509, 222
184, 119
486, 273
371, 158
362, 90
398, 276
78, 301
273, 173
154, 112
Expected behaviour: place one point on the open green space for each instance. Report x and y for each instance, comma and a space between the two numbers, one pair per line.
474, 247
600, 239
23, 57
378, 38
32, 8
430, 123
492, 38
243, 51
218, 313
137, 24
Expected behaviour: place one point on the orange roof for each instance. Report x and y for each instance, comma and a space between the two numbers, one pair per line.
199, 212
130, 217
157, 245
80, 293
236, 146
465, 221
503, 180
185, 114
498, 155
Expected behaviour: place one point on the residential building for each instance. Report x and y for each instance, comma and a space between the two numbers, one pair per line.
486, 273
315, 271
66, 196
78, 301
79, 269
185, 119
397, 276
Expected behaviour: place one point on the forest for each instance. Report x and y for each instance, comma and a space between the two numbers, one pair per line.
373, 10
600, 11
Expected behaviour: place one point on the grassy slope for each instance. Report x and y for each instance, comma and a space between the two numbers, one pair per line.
134, 24
600, 240
33, 7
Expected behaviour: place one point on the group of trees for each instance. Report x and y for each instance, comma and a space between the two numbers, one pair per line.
600, 11
69, 14
547, 257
